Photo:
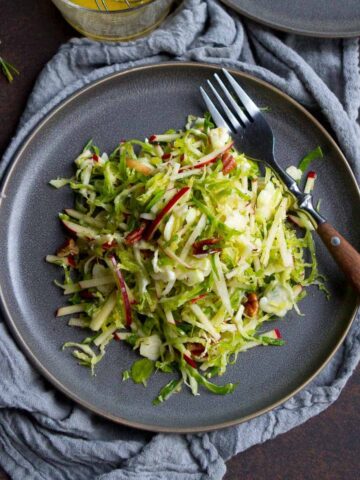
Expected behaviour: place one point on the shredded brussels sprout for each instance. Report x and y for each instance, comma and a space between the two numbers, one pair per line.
181, 248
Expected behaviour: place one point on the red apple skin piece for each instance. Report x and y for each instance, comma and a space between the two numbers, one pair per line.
78, 229
199, 247
149, 232
196, 299
109, 245
64, 222
122, 287
195, 348
71, 261
212, 158
190, 361
135, 235
86, 295
277, 332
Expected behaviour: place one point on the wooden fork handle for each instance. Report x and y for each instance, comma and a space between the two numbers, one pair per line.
345, 255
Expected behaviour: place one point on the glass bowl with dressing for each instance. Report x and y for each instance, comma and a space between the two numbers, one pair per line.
114, 20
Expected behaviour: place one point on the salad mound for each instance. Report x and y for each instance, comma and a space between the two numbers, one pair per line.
183, 249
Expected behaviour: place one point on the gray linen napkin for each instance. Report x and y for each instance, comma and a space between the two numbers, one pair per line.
45, 436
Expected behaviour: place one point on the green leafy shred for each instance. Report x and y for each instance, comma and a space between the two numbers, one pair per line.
142, 370
309, 158
8, 70
169, 389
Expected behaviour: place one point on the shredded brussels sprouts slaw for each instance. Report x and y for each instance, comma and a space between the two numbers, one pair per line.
183, 249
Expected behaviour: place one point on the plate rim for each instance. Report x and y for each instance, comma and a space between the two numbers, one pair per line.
21, 341
283, 28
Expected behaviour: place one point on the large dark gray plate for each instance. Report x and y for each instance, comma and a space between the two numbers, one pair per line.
316, 18
135, 104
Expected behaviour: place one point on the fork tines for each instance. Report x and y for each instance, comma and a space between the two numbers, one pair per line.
237, 116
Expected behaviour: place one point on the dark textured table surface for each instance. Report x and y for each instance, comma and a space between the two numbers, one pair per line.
327, 447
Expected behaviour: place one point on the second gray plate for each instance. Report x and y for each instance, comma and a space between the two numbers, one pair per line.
315, 18
138, 103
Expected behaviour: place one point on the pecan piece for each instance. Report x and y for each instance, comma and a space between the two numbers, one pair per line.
195, 348
69, 248
229, 162
135, 235
207, 246
251, 305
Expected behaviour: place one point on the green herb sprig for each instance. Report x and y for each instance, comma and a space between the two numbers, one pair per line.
7, 69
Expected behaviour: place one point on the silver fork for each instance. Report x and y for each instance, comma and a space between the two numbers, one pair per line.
253, 135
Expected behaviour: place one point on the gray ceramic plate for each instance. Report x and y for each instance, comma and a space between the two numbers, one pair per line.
316, 18
135, 104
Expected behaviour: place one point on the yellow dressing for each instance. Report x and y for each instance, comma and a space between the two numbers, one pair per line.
111, 4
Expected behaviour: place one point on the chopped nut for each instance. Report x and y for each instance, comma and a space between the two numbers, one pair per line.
226, 156
195, 348
251, 305
135, 235
206, 246
69, 248
229, 162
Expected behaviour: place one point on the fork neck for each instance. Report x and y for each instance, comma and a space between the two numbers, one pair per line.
306, 204
305, 200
